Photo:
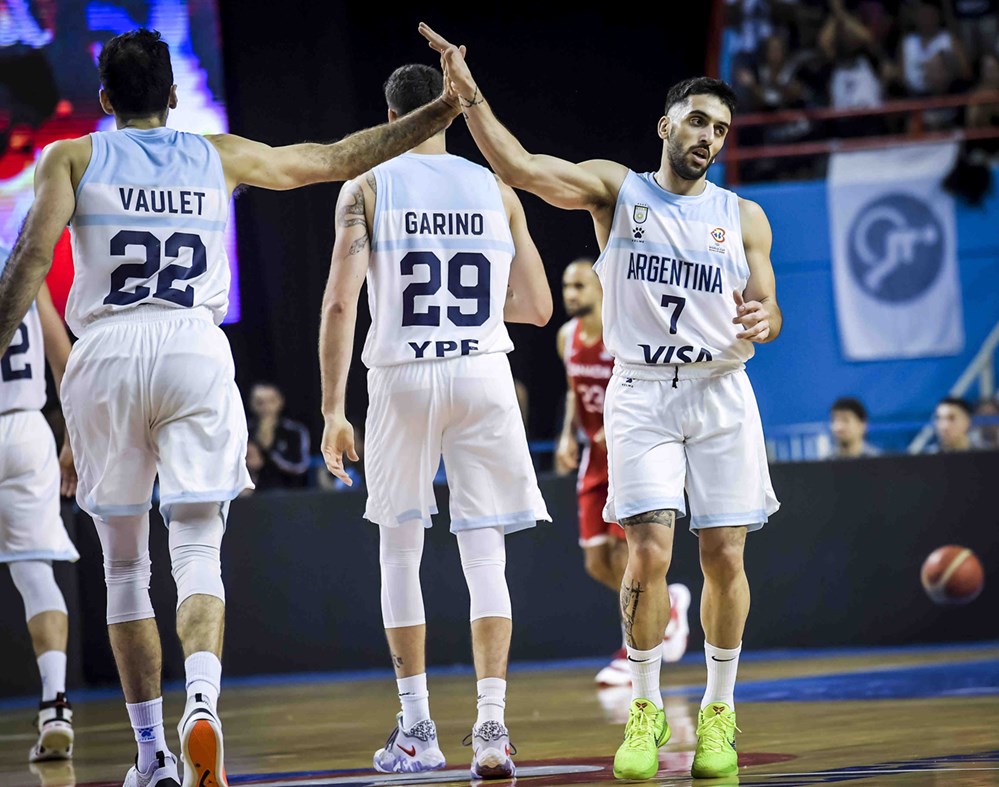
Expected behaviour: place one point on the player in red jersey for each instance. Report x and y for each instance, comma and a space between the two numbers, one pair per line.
588, 367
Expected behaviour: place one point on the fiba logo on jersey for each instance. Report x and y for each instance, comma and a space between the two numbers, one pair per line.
896, 248
718, 234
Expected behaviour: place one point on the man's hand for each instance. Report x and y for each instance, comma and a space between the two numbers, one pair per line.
338, 439
67, 470
566, 454
457, 78
754, 317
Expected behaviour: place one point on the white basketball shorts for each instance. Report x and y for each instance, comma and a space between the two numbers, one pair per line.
30, 525
466, 410
703, 435
153, 391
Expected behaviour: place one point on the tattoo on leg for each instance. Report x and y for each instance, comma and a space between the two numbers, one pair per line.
629, 606
662, 516
396, 661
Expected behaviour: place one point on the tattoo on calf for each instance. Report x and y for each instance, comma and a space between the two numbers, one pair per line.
629, 606
396, 661
662, 516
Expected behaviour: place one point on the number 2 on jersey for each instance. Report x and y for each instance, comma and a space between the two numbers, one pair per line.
165, 278
19, 345
478, 292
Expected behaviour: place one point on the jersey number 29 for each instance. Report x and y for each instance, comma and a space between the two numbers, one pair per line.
478, 292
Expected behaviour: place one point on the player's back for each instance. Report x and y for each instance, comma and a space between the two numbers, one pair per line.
22, 363
148, 229
440, 261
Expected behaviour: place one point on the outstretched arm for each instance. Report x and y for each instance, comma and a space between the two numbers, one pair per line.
592, 185
756, 308
31, 259
529, 298
349, 266
255, 164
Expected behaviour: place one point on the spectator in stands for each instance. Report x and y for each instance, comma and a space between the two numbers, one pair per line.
747, 25
941, 80
952, 425
986, 436
929, 38
773, 85
983, 113
282, 443
976, 23
854, 65
848, 424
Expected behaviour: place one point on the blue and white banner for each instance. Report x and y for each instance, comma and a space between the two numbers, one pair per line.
894, 253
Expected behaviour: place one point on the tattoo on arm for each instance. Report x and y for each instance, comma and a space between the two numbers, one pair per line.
662, 516
629, 606
372, 182
351, 214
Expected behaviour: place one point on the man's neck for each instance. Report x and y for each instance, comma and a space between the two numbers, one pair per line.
434, 146
961, 444
851, 449
669, 181
140, 123
592, 325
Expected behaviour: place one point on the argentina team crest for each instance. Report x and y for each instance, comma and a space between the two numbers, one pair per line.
640, 213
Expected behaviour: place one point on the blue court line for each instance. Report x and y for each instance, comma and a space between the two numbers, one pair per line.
352, 676
965, 679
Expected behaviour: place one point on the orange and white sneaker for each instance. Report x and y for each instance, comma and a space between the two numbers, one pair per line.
678, 629
201, 745
492, 752
617, 673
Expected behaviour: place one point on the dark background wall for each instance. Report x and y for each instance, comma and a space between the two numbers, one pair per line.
838, 565
579, 84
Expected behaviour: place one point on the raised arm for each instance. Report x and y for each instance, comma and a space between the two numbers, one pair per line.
529, 298
31, 259
756, 307
349, 266
250, 163
591, 186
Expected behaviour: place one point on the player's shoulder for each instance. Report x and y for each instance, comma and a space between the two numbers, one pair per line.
564, 337
752, 216
611, 173
68, 150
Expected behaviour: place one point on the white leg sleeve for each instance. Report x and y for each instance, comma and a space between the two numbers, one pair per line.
36, 583
400, 550
483, 559
127, 568
196, 531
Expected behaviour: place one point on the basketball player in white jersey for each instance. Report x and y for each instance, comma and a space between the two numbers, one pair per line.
32, 534
688, 290
447, 256
149, 388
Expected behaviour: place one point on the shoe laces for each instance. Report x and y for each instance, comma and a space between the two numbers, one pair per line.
489, 731
639, 729
717, 731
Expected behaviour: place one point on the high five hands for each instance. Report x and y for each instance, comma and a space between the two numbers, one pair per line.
457, 78
754, 317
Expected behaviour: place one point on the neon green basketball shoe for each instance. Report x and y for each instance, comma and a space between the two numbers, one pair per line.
715, 755
646, 731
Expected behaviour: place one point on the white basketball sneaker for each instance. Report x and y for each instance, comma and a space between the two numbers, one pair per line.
55, 731
492, 752
678, 629
201, 750
410, 751
162, 772
616, 673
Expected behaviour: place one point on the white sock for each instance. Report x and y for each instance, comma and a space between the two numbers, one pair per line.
645, 665
415, 699
52, 668
203, 671
722, 667
147, 722
491, 700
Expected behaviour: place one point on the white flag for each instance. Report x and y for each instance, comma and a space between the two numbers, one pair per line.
894, 253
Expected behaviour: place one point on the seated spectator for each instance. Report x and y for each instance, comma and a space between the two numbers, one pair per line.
929, 38
986, 436
283, 444
952, 425
941, 80
848, 424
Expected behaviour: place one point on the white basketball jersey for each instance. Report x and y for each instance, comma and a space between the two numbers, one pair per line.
22, 365
668, 272
151, 212
440, 261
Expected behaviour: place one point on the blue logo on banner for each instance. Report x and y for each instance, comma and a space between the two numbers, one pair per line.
896, 248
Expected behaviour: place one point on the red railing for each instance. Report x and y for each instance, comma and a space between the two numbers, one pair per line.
916, 133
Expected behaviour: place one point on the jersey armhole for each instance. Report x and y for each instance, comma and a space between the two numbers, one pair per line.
599, 263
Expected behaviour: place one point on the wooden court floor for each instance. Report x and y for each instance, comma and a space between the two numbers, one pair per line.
915, 716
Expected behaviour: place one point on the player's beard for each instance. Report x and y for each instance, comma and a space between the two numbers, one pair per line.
679, 164
580, 310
